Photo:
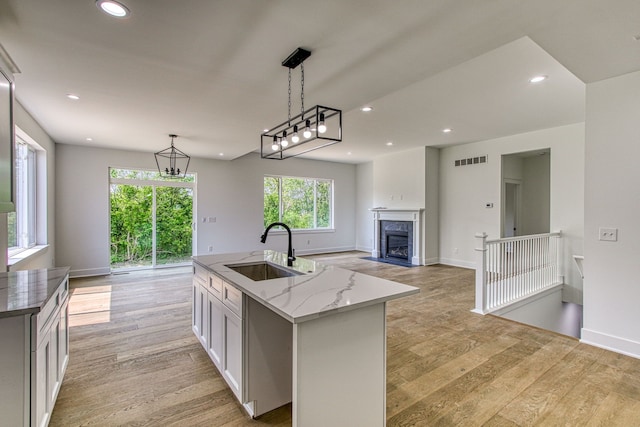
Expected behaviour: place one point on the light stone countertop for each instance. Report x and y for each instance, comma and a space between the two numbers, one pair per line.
26, 292
322, 289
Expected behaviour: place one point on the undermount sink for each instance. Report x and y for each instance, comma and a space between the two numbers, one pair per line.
263, 270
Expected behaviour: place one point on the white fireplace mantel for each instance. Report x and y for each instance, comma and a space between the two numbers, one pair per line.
388, 214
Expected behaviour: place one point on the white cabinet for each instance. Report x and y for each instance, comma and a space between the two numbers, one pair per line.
49, 354
199, 312
7, 187
214, 328
218, 324
232, 351
33, 358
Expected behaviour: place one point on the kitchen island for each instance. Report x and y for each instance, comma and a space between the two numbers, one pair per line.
34, 332
315, 337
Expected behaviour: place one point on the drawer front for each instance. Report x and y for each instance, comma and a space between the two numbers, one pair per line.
232, 298
64, 290
200, 273
42, 321
215, 286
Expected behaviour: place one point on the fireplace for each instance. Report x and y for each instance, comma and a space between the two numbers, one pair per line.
397, 245
397, 236
396, 240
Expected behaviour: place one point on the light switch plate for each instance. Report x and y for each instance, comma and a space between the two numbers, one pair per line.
608, 234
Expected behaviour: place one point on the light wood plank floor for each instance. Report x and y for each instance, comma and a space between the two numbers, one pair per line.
135, 361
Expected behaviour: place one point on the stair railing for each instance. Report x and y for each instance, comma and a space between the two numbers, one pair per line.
514, 268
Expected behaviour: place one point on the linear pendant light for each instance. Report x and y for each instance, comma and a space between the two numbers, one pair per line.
317, 127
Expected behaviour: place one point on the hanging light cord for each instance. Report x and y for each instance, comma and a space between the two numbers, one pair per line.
302, 91
289, 117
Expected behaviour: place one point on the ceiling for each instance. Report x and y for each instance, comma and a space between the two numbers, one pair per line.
210, 71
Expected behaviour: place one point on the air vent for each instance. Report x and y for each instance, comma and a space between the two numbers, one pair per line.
471, 161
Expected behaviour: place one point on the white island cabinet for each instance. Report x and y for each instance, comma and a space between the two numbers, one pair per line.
34, 331
316, 338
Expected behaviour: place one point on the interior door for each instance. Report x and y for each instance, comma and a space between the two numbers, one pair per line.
511, 209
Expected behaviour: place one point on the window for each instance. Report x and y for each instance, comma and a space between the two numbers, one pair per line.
301, 203
22, 222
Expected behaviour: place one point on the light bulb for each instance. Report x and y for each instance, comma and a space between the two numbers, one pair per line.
274, 146
284, 142
322, 128
295, 138
307, 129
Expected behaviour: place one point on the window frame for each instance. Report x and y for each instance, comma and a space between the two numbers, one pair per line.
315, 180
26, 177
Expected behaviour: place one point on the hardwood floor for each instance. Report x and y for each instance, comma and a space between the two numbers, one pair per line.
135, 361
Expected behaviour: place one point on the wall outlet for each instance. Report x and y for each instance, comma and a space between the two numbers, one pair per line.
488, 205
210, 248
212, 219
608, 234
455, 251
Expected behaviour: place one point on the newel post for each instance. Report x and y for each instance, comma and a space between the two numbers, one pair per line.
481, 273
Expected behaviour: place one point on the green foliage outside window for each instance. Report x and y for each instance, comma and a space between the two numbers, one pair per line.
301, 203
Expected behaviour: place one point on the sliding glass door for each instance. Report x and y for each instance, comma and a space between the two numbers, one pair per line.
151, 219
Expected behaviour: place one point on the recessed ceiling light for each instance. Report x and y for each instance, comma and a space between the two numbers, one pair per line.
113, 8
348, 153
89, 139
72, 96
537, 79
389, 143
220, 154
265, 130
366, 109
447, 130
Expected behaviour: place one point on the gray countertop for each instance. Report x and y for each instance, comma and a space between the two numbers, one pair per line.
25, 292
320, 291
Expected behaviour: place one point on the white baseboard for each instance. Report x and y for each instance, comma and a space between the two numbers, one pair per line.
364, 248
315, 251
458, 263
431, 261
611, 342
88, 272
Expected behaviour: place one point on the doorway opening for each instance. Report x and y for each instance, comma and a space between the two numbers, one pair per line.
151, 219
526, 193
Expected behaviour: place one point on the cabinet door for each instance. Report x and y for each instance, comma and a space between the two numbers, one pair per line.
214, 329
63, 345
41, 366
232, 358
199, 310
195, 312
55, 376
202, 322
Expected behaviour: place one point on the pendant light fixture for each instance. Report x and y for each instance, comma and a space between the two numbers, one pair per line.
317, 127
172, 163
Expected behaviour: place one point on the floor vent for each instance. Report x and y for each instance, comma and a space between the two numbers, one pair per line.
471, 161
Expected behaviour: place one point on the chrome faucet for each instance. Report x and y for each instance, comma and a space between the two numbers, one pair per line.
290, 251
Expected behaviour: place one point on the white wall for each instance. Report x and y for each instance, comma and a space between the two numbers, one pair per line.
536, 194
402, 180
431, 216
364, 202
230, 191
612, 199
465, 190
399, 180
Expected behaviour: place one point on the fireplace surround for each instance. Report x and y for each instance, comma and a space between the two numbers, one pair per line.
397, 235
396, 240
